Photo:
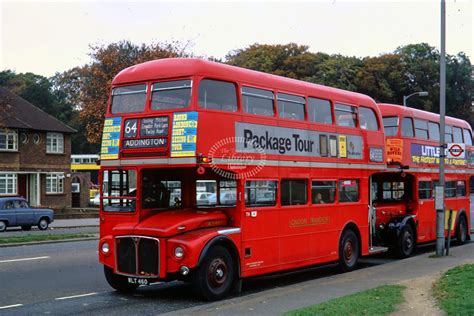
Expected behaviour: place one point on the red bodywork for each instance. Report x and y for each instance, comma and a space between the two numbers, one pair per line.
423, 210
267, 239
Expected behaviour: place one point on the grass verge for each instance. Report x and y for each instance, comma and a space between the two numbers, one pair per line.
30, 238
381, 300
454, 290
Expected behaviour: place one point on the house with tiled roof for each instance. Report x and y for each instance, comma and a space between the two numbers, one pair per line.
35, 151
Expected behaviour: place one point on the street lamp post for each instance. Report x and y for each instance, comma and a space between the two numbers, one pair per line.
420, 94
442, 114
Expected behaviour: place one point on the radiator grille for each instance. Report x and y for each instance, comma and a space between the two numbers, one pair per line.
137, 255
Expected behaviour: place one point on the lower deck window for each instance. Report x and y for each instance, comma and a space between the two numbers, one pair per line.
424, 190
348, 191
213, 193
323, 192
260, 193
119, 190
293, 192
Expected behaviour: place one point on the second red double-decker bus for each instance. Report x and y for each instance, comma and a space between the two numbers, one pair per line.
403, 195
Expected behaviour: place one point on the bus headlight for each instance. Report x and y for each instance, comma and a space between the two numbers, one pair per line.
105, 248
179, 252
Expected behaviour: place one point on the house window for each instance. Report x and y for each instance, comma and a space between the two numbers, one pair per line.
8, 184
54, 143
54, 183
8, 140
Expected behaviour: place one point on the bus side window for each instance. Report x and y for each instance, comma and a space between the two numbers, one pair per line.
407, 127
348, 191
448, 134
217, 95
424, 190
260, 193
368, 120
323, 192
293, 192
457, 135
467, 137
421, 129
319, 111
346, 115
257, 101
290, 106
460, 188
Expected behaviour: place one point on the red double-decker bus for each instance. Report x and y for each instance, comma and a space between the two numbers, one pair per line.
213, 174
403, 196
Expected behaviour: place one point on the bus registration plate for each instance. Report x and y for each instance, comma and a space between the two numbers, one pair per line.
138, 281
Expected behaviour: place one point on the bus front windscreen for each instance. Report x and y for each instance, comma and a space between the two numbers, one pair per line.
119, 190
129, 99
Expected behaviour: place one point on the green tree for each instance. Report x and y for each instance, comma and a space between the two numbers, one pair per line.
89, 86
382, 78
38, 91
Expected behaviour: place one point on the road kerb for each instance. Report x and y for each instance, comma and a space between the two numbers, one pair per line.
47, 242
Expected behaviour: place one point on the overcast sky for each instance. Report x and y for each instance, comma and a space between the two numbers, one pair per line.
47, 37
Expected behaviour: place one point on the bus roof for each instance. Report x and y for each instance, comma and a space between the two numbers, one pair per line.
181, 67
399, 110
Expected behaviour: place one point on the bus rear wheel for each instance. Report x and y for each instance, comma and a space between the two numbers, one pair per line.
349, 250
405, 243
118, 282
213, 279
461, 230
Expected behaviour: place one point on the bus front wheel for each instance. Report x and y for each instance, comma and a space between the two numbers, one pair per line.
348, 250
214, 277
461, 230
406, 242
118, 282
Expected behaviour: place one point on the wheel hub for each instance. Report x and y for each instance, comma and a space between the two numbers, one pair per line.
217, 272
408, 241
348, 251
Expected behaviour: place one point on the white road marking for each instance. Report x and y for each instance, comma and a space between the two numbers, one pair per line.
75, 296
11, 306
24, 259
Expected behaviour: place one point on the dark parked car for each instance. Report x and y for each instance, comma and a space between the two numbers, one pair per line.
15, 211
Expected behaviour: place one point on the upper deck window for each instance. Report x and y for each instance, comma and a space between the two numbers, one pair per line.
257, 101
421, 129
319, 111
457, 135
407, 127
217, 95
368, 120
448, 134
290, 106
129, 99
434, 130
171, 95
390, 125
467, 136
346, 115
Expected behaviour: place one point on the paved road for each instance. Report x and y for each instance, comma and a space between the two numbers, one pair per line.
55, 277
67, 279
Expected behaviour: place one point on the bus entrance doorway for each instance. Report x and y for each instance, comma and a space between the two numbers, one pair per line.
391, 203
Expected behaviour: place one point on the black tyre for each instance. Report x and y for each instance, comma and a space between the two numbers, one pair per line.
118, 282
349, 250
461, 230
27, 227
3, 226
43, 224
213, 279
406, 243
